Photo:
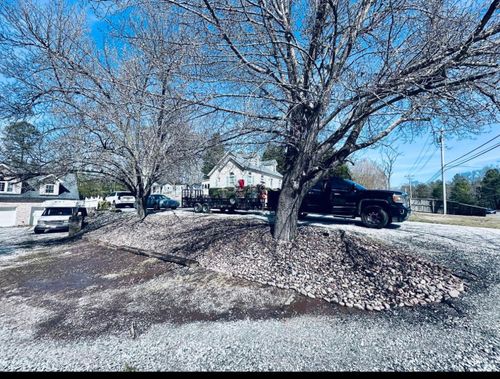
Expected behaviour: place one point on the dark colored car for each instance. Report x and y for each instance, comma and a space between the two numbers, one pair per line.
161, 202
345, 198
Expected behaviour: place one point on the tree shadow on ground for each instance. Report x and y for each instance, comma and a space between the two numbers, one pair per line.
330, 220
200, 238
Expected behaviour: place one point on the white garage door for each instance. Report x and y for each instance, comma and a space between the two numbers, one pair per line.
35, 214
7, 217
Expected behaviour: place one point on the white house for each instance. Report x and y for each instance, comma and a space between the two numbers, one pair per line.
21, 201
231, 168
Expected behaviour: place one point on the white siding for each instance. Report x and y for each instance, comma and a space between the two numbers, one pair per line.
221, 177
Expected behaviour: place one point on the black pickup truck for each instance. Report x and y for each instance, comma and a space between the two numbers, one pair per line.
345, 198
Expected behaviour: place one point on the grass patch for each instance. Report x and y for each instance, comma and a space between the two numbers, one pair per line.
490, 221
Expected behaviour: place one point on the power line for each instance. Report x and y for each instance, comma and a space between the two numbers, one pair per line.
464, 155
475, 156
436, 175
465, 160
419, 156
487, 142
428, 160
441, 142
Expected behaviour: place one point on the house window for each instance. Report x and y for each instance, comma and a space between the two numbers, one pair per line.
2, 186
271, 183
232, 179
10, 187
262, 180
249, 178
49, 188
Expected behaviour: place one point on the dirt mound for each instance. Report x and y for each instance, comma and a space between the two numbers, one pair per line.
336, 266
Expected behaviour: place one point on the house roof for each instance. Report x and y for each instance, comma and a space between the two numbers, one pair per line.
247, 165
68, 190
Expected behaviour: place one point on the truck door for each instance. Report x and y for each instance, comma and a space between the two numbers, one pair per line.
343, 197
317, 199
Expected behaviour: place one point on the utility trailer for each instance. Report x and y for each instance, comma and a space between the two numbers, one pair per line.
204, 204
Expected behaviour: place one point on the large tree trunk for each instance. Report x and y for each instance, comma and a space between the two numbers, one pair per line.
141, 198
285, 225
292, 193
294, 186
141, 206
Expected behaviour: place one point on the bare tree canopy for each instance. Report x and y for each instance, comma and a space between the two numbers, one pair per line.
389, 155
119, 103
324, 78
330, 77
369, 174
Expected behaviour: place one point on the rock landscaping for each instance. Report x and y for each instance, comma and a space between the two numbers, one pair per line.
337, 266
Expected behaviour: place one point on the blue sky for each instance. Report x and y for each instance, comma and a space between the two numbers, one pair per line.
430, 156
420, 157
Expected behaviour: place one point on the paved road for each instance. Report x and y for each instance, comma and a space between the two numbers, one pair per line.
459, 336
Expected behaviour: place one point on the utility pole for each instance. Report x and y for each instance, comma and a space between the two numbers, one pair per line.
409, 181
441, 141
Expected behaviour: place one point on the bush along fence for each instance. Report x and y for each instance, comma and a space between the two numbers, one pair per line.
453, 207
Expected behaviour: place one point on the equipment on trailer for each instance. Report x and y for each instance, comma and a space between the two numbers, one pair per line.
252, 200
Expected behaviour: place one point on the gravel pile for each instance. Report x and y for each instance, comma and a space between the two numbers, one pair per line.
337, 266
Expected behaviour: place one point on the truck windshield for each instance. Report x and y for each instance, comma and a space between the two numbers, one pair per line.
57, 212
358, 186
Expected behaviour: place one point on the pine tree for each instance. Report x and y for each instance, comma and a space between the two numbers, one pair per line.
461, 190
19, 146
490, 189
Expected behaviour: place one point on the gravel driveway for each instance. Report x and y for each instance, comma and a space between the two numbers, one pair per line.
200, 320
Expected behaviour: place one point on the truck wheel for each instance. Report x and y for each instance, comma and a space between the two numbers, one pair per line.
197, 208
205, 208
374, 217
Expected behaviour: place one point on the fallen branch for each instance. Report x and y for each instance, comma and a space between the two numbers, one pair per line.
153, 254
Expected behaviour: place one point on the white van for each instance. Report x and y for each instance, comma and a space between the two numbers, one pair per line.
57, 213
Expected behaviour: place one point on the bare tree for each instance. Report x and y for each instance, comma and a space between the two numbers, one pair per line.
389, 155
327, 78
119, 104
369, 174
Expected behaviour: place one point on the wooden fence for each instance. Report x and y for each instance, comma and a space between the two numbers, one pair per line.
453, 207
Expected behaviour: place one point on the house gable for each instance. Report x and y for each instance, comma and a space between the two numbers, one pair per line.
50, 186
42, 188
232, 168
9, 184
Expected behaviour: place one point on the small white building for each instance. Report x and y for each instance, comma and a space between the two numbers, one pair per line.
231, 168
